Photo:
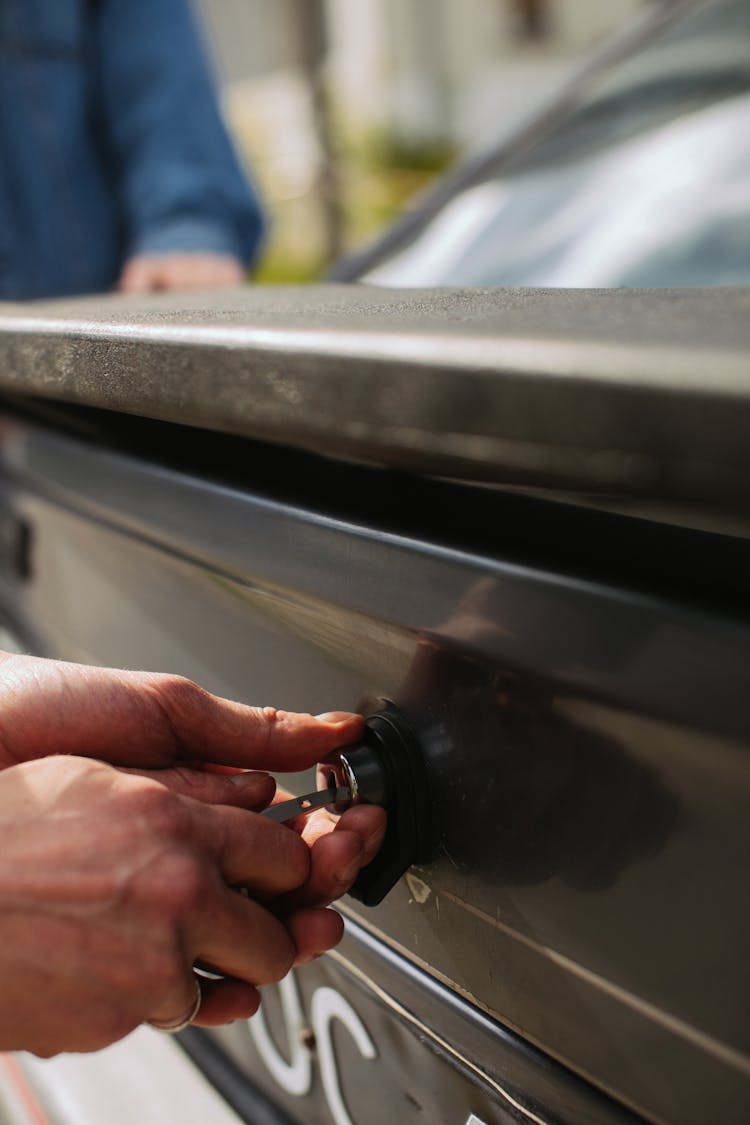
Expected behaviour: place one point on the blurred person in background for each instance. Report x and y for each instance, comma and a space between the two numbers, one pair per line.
115, 167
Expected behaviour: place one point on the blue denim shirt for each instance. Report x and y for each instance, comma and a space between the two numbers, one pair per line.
110, 145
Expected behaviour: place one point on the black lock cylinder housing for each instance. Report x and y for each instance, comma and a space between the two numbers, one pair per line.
387, 768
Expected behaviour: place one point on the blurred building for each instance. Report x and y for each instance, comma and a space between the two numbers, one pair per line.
426, 69
421, 77
454, 70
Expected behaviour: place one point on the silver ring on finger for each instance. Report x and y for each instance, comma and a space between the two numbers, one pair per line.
186, 1018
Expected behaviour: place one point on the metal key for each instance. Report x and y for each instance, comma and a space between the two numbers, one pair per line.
298, 806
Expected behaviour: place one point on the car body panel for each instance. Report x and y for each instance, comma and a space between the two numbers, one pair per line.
627, 396
586, 739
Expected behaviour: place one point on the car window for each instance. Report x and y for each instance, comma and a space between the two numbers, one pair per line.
643, 180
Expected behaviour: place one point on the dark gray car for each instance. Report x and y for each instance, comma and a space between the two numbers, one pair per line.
511, 524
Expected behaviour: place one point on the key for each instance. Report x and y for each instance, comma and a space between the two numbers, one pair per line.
388, 768
298, 806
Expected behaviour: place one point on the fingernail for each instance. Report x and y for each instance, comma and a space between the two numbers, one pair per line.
337, 718
306, 960
252, 778
376, 839
348, 872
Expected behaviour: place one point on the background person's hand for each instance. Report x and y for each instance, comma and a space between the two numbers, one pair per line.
147, 273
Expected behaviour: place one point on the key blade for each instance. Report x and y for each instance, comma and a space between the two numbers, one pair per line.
298, 806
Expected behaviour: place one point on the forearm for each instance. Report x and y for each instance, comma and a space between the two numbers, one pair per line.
180, 183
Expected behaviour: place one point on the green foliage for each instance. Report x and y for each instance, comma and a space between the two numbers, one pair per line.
379, 177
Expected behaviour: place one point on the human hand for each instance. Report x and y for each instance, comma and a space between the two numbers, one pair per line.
340, 846
147, 273
166, 728
153, 721
111, 887
172, 730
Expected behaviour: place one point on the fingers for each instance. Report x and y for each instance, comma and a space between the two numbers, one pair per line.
339, 845
238, 937
314, 932
129, 884
369, 822
251, 851
148, 273
149, 720
207, 728
339, 848
179, 1007
137, 277
225, 1001
247, 790
258, 943
335, 862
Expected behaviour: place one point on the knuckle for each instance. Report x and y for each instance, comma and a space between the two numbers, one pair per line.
178, 885
268, 718
179, 691
194, 783
180, 702
167, 815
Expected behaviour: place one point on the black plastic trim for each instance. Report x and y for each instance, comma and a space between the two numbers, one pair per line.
229, 1081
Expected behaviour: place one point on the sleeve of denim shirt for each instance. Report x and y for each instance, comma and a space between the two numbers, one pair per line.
180, 183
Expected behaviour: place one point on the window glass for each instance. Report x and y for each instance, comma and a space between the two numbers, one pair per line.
642, 180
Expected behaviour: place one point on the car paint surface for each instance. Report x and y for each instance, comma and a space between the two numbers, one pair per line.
620, 397
586, 742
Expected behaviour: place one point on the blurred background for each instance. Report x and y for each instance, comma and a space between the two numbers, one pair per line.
344, 110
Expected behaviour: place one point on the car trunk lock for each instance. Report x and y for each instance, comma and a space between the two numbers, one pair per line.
386, 768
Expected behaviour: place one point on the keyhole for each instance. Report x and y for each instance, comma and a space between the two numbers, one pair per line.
331, 784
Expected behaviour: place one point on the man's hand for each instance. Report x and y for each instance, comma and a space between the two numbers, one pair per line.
174, 731
97, 849
147, 273
111, 887
151, 721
